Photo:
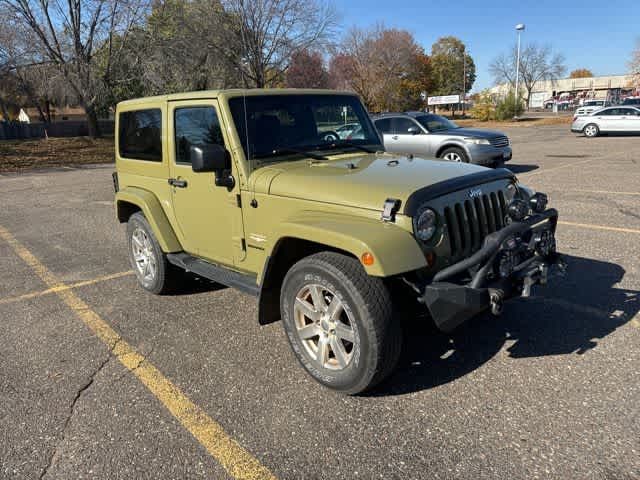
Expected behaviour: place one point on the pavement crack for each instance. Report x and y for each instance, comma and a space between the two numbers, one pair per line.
83, 388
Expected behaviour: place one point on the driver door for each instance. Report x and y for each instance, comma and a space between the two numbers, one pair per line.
407, 142
207, 215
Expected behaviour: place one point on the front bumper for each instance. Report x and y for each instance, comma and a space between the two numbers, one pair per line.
473, 285
488, 154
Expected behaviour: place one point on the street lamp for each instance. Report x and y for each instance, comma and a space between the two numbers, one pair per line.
519, 28
464, 77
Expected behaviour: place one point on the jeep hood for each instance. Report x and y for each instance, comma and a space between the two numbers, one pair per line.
363, 181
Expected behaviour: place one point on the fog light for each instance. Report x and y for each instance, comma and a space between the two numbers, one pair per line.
538, 202
518, 209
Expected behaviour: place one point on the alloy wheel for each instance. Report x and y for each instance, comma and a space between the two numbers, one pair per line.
143, 255
324, 327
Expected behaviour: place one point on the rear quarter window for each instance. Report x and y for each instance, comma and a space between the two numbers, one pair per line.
140, 135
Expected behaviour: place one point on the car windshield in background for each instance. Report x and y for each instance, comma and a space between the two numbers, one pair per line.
279, 125
436, 123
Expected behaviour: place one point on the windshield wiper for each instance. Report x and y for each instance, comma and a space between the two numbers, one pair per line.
347, 143
289, 151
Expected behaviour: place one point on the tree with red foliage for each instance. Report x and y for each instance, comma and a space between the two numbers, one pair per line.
307, 70
386, 67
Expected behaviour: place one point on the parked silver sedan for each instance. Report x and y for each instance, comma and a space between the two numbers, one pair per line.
608, 120
429, 135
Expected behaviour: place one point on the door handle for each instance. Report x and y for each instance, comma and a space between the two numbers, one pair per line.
174, 182
395, 137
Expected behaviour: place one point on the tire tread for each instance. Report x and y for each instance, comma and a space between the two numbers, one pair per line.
385, 330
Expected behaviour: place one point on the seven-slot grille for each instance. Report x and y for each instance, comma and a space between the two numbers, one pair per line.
499, 142
472, 220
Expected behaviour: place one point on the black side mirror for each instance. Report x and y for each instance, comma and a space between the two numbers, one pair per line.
209, 158
213, 158
414, 130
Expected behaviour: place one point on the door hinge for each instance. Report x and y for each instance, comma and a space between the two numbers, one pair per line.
239, 200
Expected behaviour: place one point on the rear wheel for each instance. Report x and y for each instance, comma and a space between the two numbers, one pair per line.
591, 130
454, 154
339, 322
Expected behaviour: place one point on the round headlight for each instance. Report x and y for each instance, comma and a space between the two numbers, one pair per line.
426, 225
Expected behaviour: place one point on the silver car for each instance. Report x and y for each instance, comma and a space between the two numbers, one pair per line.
431, 135
608, 120
591, 106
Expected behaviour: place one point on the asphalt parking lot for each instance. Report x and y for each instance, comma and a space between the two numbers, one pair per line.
99, 379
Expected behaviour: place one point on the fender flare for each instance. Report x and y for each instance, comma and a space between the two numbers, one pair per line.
395, 250
452, 143
153, 212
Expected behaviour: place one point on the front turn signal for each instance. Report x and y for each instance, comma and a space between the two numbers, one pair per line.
367, 259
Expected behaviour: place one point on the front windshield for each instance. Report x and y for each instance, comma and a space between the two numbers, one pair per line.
436, 123
276, 127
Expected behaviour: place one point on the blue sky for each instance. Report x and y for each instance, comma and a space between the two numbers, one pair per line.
598, 35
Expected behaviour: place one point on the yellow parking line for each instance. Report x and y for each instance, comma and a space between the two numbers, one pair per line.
237, 461
606, 192
599, 227
49, 291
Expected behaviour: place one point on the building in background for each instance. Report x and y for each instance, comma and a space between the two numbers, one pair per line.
568, 93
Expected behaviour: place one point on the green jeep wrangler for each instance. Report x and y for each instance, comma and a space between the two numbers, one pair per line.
288, 195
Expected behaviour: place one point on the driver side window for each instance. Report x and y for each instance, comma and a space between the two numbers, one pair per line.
402, 125
195, 126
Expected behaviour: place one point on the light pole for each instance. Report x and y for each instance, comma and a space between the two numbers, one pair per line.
464, 77
519, 28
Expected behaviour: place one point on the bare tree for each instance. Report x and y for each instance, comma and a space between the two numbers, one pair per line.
270, 31
634, 65
537, 62
68, 34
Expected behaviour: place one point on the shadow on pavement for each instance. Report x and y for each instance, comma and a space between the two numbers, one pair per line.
521, 168
567, 319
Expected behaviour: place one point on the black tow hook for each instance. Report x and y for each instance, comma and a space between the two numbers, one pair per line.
496, 300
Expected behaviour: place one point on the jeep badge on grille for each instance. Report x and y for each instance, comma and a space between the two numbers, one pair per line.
475, 192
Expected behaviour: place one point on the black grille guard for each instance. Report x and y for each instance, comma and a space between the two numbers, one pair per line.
491, 246
452, 302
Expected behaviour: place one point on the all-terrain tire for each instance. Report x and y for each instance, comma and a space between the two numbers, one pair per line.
366, 306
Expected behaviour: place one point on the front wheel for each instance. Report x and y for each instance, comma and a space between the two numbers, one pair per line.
339, 322
591, 130
454, 154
